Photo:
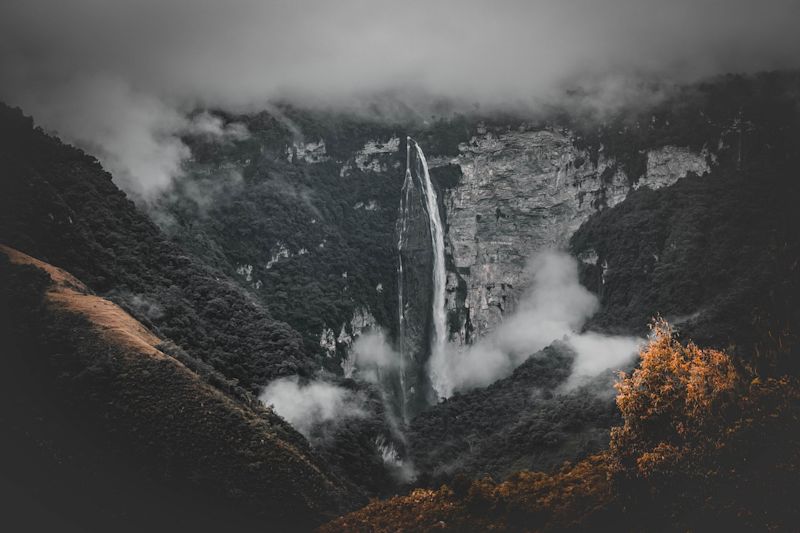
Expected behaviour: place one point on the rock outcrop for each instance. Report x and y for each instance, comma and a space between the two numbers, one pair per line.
310, 152
521, 192
373, 156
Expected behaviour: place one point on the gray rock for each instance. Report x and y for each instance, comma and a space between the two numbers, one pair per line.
522, 192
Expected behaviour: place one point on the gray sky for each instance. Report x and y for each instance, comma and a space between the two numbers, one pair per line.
117, 76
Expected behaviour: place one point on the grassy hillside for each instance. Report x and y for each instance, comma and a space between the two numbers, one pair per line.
105, 428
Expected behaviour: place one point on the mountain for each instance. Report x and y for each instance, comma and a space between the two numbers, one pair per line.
683, 208
306, 218
61, 207
91, 394
275, 258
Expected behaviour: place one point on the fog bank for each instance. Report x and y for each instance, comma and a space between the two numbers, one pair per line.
307, 405
120, 78
555, 307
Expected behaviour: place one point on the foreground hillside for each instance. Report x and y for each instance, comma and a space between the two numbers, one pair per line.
105, 428
704, 445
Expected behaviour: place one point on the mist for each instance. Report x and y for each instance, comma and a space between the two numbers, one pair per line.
122, 79
308, 405
372, 356
555, 307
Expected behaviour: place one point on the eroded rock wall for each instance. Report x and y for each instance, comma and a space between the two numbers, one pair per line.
522, 192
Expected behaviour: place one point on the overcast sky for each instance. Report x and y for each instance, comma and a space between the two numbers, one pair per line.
118, 76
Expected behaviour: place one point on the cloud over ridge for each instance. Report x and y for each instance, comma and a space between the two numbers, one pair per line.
119, 77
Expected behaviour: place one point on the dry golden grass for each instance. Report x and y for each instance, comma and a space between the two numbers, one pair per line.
110, 320
60, 278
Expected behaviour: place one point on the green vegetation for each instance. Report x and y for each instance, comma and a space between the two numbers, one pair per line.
716, 255
57, 204
520, 422
338, 254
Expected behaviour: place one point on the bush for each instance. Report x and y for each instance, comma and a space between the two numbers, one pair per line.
680, 397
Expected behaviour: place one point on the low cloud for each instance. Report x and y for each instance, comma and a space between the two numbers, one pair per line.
555, 307
136, 135
306, 406
204, 191
212, 127
121, 78
371, 357
141, 305
597, 354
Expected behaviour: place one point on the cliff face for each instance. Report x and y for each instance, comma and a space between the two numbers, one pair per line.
521, 192
506, 196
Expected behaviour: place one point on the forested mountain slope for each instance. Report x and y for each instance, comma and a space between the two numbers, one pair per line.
58, 204
105, 429
717, 255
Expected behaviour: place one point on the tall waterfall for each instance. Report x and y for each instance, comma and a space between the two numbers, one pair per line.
408, 185
439, 277
439, 314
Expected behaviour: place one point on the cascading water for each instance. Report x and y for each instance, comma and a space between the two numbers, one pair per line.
439, 276
408, 184
439, 314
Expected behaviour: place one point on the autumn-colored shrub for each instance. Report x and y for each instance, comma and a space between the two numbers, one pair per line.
680, 397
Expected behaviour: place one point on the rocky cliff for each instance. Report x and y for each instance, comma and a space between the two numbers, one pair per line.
521, 192
507, 194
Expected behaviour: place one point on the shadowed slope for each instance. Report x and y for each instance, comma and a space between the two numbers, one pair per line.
128, 429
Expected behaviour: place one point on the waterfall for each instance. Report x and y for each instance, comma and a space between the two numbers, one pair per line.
430, 205
408, 185
439, 314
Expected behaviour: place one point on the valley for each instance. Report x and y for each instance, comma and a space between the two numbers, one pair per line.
332, 307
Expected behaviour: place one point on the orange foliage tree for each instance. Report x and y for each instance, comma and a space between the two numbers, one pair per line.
681, 397
684, 404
